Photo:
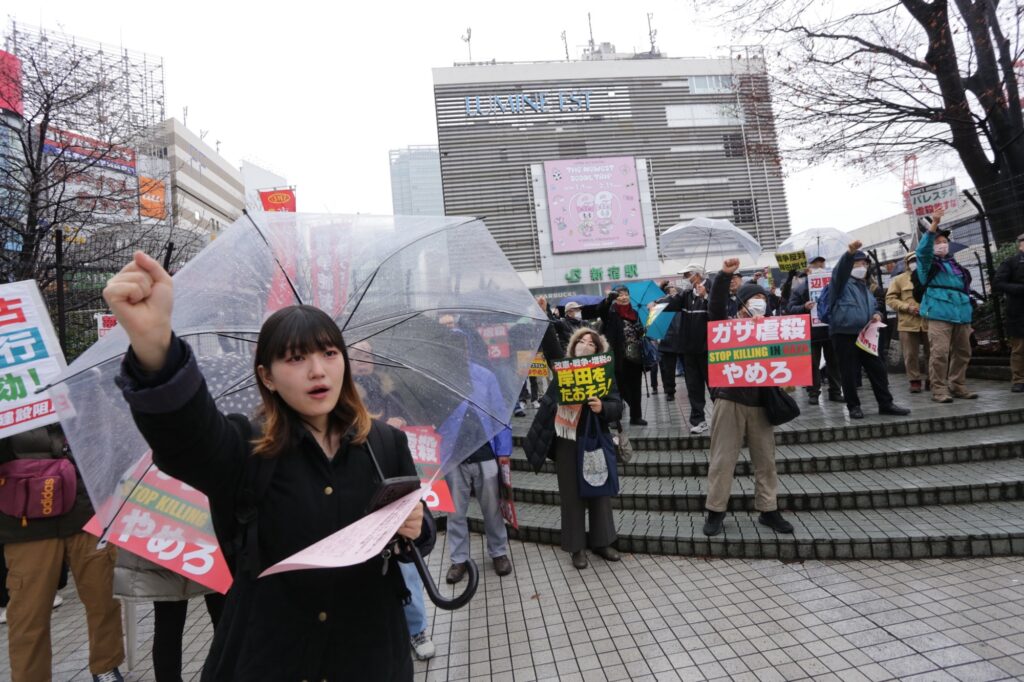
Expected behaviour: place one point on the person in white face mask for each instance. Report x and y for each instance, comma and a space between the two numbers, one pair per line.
739, 413
946, 305
912, 327
851, 307
799, 303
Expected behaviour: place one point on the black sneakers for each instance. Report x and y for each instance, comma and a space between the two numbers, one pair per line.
774, 520
893, 409
713, 525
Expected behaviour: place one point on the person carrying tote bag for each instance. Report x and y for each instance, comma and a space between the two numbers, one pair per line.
556, 433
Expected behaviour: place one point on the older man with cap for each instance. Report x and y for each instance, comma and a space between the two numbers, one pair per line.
692, 306
800, 303
851, 307
912, 327
1009, 280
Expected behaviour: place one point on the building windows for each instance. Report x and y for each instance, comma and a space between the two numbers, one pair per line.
734, 147
703, 115
744, 211
710, 85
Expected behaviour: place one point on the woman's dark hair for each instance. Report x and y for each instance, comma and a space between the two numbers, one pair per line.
600, 343
302, 329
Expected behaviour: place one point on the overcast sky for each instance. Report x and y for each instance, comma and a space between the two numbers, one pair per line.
319, 92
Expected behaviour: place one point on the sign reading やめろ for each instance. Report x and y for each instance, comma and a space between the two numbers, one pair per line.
585, 377
30, 358
767, 351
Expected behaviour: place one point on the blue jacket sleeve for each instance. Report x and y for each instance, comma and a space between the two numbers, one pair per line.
841, 275
502, 441
925, 253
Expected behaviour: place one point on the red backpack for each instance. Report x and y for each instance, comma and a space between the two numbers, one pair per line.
37, 488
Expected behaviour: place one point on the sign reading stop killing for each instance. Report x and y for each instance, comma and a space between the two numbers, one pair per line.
769, 351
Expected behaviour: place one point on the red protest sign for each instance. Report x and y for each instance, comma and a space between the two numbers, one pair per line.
425, 446
168, 523
769, 351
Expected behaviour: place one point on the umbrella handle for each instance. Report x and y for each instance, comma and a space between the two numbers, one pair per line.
440, 601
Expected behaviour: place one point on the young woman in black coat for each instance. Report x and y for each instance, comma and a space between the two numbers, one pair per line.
333, 624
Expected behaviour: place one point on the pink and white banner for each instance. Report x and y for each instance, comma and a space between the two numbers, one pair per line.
593, 204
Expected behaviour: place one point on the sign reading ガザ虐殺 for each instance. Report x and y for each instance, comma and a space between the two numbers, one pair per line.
30, 358
585, 377
768, 351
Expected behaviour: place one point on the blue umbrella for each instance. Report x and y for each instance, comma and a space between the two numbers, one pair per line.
658, 323
642, 293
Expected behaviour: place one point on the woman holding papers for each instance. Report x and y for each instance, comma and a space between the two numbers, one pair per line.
307, 468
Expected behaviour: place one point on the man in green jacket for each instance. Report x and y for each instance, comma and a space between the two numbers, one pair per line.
947, 307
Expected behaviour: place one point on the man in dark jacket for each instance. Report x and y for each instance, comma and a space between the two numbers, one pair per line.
739, 414
670, 348
34, 551
1009, 280
800, 303
622, 327
693, 311
851, 307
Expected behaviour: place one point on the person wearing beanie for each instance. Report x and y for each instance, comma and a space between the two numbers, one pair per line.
912, 327
800, 303
739, 414
1009, 281
852, 306
947, 307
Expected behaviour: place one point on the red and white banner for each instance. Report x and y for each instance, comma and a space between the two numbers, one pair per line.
278, 200
168, 523
425, 446
768, 351
816, 283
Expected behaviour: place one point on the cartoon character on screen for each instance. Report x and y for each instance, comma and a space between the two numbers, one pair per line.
585, 213
604, 202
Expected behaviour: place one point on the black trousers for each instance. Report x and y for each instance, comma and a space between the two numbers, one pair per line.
696, 367
668, 371
630, 376
168, 630
576, 508
831, 369
851, 360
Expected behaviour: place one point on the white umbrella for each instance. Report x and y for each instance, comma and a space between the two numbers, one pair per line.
827, 242
707, 238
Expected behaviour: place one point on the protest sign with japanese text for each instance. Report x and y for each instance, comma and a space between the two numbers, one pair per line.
168, 523
582, 378
30, 358
796, 260
816, 283
927, 199
531, 364
425, 446
867, 340
767, 351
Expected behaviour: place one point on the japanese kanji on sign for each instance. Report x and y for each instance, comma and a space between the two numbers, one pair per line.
168, 523
927, 199
585, 377
769, 351
816, 283
30, 358
796, 260
425, 447
533, 365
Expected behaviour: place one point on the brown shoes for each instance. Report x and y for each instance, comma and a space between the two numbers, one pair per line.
502, 566
456, 573
966, 395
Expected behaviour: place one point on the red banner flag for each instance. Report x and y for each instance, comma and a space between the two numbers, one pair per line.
768, 351
278, 200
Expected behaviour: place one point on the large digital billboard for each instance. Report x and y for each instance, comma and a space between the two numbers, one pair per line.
593, 204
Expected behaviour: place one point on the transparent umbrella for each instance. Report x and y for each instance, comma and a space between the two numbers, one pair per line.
704, 239
394, 285
827, 242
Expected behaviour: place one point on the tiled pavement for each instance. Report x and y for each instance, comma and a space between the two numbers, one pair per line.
678, 618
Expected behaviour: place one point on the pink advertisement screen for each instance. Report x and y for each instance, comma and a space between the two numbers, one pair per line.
593, 204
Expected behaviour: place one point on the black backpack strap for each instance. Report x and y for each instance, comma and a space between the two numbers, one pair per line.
257, 475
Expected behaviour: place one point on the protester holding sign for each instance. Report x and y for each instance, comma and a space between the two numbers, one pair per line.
946, 305
851, 307
739, 414
555, 432
801, 302
327, 455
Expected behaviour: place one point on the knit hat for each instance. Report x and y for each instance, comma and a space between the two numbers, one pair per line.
910, 257
748, 291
